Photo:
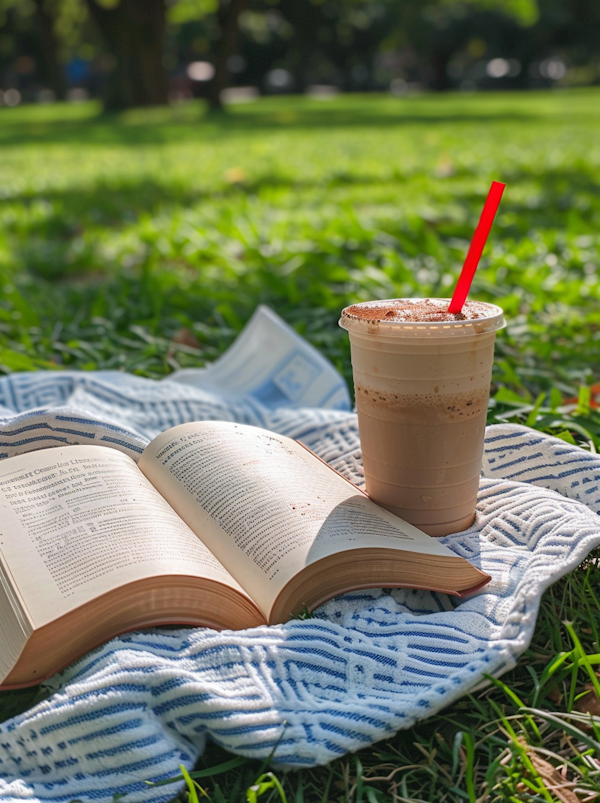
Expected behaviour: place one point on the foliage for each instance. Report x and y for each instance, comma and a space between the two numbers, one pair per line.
353, 43
144, 241
188, 10
525, 11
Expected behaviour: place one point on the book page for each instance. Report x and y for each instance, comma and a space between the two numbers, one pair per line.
77, 521
265, 505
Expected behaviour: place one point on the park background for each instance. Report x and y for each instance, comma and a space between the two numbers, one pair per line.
166, 167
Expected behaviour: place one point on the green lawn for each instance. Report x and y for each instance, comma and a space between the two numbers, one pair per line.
145, 241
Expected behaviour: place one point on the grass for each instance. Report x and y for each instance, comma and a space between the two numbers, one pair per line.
143, 242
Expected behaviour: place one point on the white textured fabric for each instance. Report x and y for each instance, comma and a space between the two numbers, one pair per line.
366, 665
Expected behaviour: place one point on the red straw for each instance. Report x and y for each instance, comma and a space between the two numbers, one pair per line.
463, 285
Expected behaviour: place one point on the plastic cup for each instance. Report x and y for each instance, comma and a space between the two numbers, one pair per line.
422, 391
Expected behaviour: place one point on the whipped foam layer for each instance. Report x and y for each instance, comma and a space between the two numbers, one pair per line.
406, 310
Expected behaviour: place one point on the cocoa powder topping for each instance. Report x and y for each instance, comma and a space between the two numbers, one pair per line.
407, 310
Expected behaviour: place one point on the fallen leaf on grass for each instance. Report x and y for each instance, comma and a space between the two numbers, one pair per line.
235, 175
185, 337
444, 168
554, 782
589, 703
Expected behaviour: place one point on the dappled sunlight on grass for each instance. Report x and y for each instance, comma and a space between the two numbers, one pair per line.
119, 233
195, 218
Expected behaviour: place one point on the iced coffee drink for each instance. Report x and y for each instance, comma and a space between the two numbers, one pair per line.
422, 382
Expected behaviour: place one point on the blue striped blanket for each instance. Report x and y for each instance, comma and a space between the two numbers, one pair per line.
367, 664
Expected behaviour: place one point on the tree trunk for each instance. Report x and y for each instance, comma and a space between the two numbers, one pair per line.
440, 58
134, 33
228, 17
50, 46
305, 19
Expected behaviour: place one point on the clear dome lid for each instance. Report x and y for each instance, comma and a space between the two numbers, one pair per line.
359, 320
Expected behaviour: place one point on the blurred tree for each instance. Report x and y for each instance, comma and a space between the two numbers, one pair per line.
342, 42
228, 15
131, 49
134, 33
336, 41
43, 33
446, 36
46, 13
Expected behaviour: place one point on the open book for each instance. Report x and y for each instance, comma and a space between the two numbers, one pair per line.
219, 525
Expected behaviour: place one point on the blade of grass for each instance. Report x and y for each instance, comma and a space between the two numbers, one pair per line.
226, 766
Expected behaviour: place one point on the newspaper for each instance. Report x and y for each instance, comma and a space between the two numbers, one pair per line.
273, 365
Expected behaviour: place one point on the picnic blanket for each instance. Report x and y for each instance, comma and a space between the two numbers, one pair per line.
366, 664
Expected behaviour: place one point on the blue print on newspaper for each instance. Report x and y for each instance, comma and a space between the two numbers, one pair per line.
289, 381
